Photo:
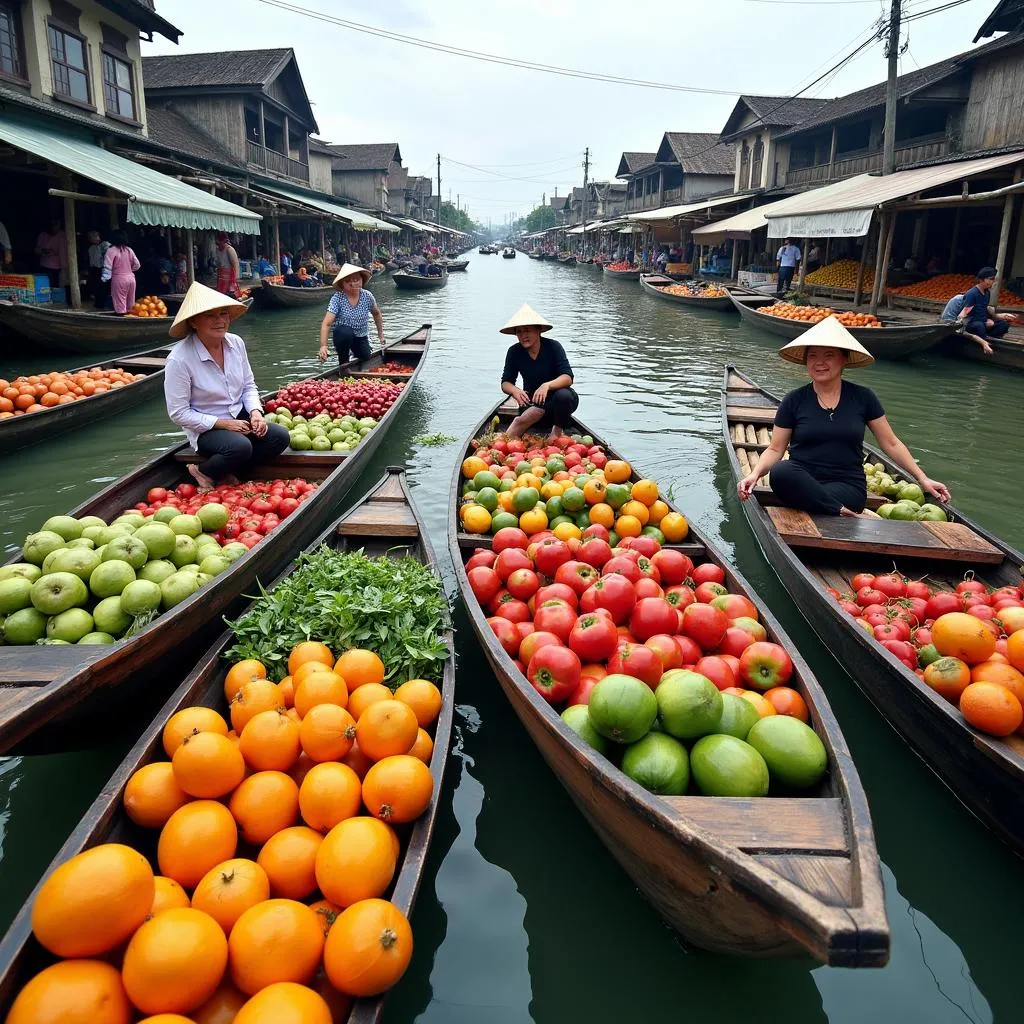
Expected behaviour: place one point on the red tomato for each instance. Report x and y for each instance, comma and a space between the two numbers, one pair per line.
736, 606
481, 557
593, 672
922, 636
971, 586
679, 596
593, 637
615, 594
523, 583
862, 579
534, 642
707, 592
645, 546
507, 634
903, 651
557, 591
581, 695
595, 552
674, 566
940, 604
708, 572
260, 506
155, 494
594, 530
510, 537
890, 584
982, 611
638, 661
665, 648
869, 595
484, 583
651, 616
498, 600
621, 552
577, 575
623, 566
718, 670
735, 641
250, 538
287, 507
645, 587
705, 624
648, 569
555, 618
689, 651
186, 490
764, 665
895, 630
513, 610
918, 588
554, 672
876, 618
971, 598
509, 560
550, 554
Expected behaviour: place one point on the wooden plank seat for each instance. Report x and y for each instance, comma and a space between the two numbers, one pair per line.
751, 400
953, 542
380, 519
143, 364
404, 350
742, 414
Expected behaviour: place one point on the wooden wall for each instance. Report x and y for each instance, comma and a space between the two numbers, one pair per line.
995, 108
221, 117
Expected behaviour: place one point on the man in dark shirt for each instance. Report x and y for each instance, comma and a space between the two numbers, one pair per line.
983, 321
546, 399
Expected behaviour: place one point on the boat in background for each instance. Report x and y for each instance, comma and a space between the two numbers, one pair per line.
406, 281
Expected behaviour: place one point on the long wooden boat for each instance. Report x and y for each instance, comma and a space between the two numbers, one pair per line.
811, 553
567, 261
655, 284
418, 282
21, 431
623, 275
1006, 352
47, 692
75, 330
892, 340
383, 523
767, 877
509, 254
283, 296
454, 266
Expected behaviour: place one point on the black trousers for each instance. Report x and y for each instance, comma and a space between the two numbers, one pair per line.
977, 327
795, 487
785, 279
558, 409
227, 452
345, 342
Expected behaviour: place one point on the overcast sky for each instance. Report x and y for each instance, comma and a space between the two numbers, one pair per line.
520, 124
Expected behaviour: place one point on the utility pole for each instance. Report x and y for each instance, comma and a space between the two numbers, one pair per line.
586, 181
438, 189
893, 53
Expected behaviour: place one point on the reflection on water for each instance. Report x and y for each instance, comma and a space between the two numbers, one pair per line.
523, 915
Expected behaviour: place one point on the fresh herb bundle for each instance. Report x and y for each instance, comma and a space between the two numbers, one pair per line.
394, 606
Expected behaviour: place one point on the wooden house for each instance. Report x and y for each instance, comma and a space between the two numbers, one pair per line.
361, 172
686, 166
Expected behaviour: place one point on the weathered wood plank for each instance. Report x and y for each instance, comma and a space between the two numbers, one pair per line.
741, 415
957, 536
738, 383
379, 519
828, 878
791, 522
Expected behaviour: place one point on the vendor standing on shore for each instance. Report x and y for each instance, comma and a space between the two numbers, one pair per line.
348, 316
227, 265
546, 400
822, 424
787, 260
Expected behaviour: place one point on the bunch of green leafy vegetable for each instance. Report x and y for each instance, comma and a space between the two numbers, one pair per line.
394, 606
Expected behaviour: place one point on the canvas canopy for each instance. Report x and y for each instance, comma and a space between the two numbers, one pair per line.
356, 218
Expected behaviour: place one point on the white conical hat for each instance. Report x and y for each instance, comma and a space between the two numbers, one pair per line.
200, 299
348, 270
827, 333
525, 316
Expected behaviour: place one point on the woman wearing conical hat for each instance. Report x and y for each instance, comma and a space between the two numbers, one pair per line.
546, 400
822, 425
211, 393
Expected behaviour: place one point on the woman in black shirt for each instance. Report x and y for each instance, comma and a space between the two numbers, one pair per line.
546, 399
822, 424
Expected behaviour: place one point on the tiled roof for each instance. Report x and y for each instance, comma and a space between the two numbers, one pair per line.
227, 68
631, 162
774, 111
175, 131
142, 13
1007, 17
373, 156
697, 153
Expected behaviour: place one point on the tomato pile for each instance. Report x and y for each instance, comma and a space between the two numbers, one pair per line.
579, 616
621, 265
815, 314
564, 486
962, 643
393, 369
348, 397
277, 842
255, 507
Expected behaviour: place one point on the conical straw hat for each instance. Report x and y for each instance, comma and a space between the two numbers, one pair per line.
525, 316
827, 333
200, 299
348, 270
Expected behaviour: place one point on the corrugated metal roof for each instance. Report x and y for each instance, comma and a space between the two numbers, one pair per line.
672, 212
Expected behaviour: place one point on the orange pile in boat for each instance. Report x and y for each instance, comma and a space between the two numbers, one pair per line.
711, 291
943, 287
148, 306
45, 390
815, 314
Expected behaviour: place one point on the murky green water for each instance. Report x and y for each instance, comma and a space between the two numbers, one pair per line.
523, 915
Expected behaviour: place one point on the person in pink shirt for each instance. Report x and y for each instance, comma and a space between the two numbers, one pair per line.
119, 266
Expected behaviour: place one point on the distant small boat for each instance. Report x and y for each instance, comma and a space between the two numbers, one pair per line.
418, 282
285, 296
509, 254
455, 265
567, 261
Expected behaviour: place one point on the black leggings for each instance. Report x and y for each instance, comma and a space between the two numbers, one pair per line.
344, 342
997, 330
558, 409
227, 452
795, 487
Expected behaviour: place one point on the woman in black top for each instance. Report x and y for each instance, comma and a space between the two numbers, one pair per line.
546, 399
822, 424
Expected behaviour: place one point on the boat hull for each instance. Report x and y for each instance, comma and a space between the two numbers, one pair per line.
418, 282
66, 330
623, 275
694, 301
282, 296
1007, 353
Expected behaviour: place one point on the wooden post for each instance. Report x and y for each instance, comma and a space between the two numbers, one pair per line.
953, 241
114, 223
863, 263
832, 153
190, 255
803, 266
1004, 241
882, 265
323, 246
277, 242
735, 266
74, 291
263, 129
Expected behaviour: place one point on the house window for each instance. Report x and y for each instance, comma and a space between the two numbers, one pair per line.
70, 65
10, 42
118, 94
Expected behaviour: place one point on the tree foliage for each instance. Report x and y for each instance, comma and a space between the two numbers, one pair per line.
539, 218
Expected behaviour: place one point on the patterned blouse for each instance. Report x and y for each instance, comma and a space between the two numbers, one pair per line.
358, 316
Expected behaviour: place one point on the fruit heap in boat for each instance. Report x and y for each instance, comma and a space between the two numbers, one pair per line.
907, 498
37, 392
967, 644
84, 581
656, 665
815, 314
148, 306
707, 291
275, 825
331, 415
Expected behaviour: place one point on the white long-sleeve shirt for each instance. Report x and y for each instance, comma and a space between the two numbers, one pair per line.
198, 392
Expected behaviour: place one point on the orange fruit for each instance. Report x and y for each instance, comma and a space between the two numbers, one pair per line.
357, 761
637, 509
594, 490
602, 514
270, 741
327, 912
329, 793
174, 962
398, 789
959, 635
73, 992
368, 948
991, 708
289, 859
1003, 674
567, 531
197, 837
94, 901
360, 667
340, 1004
327, 732
207, 765
221, 1007
472, 466
617, 472
241, 673
948, 677
287, 688
657, 511
762, 706
628, 526
307, 651
168, 895
360, 699
285, 1003
189, 721
307, 669
254, 697
276, 940
320, 688
152, 795
788, 701
263, 804
385, 728
674, 526
226, 891
356, 861
645, 491
1015, 650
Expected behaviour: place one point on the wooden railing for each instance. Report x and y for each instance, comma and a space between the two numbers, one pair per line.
277, 163
864, 163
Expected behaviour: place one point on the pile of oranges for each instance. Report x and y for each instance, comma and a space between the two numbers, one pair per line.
815, 314
149, 306
44, 390
276, 845
710, 291
944, 286
841, 274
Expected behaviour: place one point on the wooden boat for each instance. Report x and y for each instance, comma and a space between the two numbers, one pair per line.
1007, 352
75, 330
283, 296
893, 340
767, 877
21, 431
810, 553
623, 275
47, 692
567, 261
385, 521
453, 266
655, 284
418, 282
509, 254
533, 255
391, 265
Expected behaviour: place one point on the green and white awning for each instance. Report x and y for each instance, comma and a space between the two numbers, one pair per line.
356, 218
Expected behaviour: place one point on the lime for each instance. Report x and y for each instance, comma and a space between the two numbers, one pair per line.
653, 531
525, 499
523, 467
555, 465
582, 519
557, 521
727, 766
553, 507
488, 497
573, 499
468, 488
507, 484
501, 520
617, 495
485, 478
792, 750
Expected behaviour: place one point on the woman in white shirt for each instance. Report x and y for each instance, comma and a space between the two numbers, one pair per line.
211, 393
